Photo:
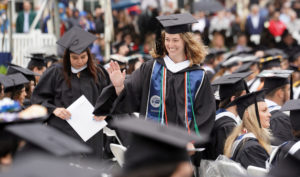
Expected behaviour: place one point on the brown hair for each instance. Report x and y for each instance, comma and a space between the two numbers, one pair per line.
272, 93
15, 94
250, 123
91, 66
195, 51
226, 101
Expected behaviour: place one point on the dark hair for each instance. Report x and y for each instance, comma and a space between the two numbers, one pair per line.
91, 66
31, 67
14, 93
296, 133
272, 93
226, 101
28, 90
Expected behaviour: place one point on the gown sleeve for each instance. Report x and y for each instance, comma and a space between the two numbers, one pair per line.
205, 108
221, 135
129, 99
44, 92
252, 154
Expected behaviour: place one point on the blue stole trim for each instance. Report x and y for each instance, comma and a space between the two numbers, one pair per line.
194, 82
155, 106
154, 96
220, 111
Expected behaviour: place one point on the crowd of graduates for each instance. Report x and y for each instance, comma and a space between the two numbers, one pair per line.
205, 90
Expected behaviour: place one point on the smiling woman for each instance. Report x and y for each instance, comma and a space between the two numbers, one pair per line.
170, 89
249, 143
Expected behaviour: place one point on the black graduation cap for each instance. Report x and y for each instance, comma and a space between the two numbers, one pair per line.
269, 62
52, 58
243, 102
12, 69
153, 144
294, 107
13, 82
76, 39
232, 61
48, 139
42, 165
118, 45
244, 68
36, 59
213, 54
275, 52
177, 23
232, 83
275, 79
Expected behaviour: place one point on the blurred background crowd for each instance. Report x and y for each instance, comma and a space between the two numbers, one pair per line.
229, 25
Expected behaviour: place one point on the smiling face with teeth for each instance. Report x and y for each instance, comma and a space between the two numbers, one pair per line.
175, 46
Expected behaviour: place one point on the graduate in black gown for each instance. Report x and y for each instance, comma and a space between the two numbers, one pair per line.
63, 83
14, 87
30, 75
249, 142
293, 107
230, 87
151, 155
277, 86
37, 64
171, 88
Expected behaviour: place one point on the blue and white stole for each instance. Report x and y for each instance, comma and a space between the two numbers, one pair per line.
156, 108
221, 113
238, 140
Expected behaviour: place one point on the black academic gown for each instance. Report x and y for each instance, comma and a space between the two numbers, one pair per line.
250, 153
281, 127
222, 129
52, 91
134, 97
282, 152
283, 164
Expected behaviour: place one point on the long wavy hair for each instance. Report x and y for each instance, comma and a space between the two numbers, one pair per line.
250, 123
194, 50
91, 66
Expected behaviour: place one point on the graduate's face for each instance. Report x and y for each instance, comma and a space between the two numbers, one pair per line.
264, 114
174, 44
78, 60
22, 96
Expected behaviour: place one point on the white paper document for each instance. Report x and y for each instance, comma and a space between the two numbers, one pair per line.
82, 118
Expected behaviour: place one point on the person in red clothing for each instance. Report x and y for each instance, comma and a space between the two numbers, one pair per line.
276, 27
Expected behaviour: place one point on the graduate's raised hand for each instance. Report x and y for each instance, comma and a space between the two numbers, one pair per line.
62, 113
116, 76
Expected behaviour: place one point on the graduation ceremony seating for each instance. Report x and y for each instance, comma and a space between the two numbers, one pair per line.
109, 132
118, 151
256, 171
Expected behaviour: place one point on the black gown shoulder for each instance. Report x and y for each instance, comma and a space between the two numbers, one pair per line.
250, 152
281, 127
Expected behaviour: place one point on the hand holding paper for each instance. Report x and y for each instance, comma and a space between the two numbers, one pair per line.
82, 120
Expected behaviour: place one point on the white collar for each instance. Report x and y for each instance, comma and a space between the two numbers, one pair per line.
75, 71
272, 106
175, 67
208, 68
237, 119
